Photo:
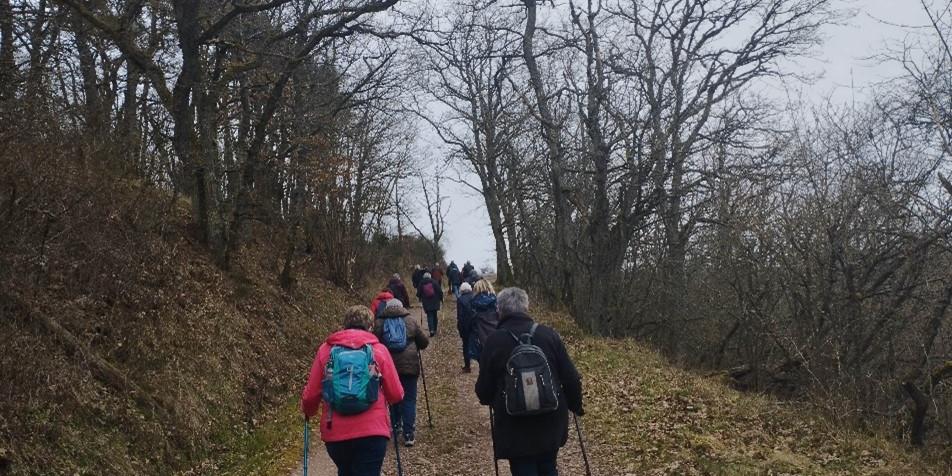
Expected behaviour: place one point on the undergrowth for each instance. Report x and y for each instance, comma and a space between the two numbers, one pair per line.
127, 349
644, 416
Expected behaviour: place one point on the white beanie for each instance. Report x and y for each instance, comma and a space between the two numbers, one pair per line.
465, 288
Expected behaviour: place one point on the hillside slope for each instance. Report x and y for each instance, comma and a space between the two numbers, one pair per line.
648, 417
126, 349
643, 417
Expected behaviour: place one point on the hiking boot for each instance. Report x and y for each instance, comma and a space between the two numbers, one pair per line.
467, 370
409, 441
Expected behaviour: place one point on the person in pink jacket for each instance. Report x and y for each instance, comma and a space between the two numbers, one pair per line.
356, 443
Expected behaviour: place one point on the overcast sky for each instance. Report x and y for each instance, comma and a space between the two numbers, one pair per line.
841, 61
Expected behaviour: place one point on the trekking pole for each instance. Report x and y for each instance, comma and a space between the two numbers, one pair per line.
581, 443
492, 431
307, 443
396, 446
426, 396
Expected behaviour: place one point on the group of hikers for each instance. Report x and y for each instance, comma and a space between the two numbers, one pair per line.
526, 376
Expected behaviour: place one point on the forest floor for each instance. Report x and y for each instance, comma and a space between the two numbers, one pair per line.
643, 417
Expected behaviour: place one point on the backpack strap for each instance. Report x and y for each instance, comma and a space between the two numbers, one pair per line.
535, 325
528, 336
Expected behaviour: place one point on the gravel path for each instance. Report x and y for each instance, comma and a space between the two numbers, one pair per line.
459, 442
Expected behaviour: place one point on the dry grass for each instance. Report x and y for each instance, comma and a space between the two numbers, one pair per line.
646, 417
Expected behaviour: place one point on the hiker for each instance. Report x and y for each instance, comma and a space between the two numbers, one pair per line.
417, 276
465, 323
455, 278
485, 316
354, 428
380, 300
431, 296
473, 277
437, 274
404, 345
399, 290
530, 440
467, 268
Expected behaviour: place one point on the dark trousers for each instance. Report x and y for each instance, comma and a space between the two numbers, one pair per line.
467, 348
403, 413
358, 457
431, 320
542, 465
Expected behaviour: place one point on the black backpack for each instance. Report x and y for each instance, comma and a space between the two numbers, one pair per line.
530, 388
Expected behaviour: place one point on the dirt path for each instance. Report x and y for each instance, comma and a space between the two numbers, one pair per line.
459, 442
319, 464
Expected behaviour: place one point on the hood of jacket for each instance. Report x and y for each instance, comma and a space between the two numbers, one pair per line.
466, 298
484, 302
384, 296
352, 338
394, 309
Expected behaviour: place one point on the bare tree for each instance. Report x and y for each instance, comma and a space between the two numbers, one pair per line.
197, 27
470, 69
436, 212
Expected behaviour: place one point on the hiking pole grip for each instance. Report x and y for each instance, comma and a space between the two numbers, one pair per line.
307, 444
581, 443
492, 431
426, 395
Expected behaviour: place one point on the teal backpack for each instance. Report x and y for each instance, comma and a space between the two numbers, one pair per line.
351, 381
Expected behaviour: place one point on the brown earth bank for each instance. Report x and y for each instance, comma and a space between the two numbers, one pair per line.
126, 349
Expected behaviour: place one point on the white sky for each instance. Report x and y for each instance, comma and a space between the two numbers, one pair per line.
842, 60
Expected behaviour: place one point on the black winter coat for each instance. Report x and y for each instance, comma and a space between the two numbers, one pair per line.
399, 291
527, 436
464, 314
454, 275
430, 303
417, 277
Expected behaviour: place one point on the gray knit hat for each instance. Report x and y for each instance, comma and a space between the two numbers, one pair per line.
394, 308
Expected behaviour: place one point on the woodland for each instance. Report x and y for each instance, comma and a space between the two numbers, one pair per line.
638, 167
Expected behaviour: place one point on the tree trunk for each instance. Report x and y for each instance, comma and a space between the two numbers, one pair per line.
555, 155
128, 127
92, 110
503, 270
8, 67
183, 114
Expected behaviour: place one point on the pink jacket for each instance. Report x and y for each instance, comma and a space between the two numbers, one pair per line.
373, 422
380, 300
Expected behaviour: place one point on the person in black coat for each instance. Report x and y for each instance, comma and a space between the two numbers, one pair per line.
530, 443
399, 290
417, 276
431, 302
465, 323
473, 277
455, 278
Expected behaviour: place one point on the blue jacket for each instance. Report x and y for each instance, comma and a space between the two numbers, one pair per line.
485, 318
